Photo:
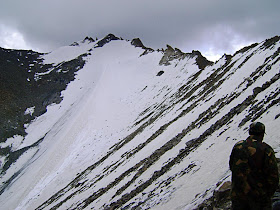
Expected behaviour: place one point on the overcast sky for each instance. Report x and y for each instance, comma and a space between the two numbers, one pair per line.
213, 27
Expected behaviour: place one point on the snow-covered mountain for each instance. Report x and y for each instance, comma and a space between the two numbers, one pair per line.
110, 123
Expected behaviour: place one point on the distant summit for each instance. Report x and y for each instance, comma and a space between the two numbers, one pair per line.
137, 43
106, 40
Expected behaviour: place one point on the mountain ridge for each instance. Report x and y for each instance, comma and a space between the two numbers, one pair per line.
167, 112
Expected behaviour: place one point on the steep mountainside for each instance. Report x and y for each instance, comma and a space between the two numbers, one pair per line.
110, 123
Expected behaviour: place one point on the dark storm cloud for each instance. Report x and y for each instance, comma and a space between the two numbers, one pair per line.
219, 26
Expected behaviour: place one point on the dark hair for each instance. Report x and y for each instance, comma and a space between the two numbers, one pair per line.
257, 128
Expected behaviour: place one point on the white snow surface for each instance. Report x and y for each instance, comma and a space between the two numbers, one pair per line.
99, 109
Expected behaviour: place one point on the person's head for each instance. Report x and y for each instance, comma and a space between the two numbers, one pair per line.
257, 129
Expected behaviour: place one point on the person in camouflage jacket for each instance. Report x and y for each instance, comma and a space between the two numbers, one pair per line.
254, 171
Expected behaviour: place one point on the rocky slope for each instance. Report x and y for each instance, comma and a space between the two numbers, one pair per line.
129, 126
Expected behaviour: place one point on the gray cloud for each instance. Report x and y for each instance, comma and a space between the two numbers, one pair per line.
219, 26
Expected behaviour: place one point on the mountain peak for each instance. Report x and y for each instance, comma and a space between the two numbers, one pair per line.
137, 43
89, 39
106, 40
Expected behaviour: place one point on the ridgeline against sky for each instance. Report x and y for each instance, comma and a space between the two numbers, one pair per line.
213, 27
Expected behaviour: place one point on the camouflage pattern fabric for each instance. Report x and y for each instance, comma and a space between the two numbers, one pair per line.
254, 174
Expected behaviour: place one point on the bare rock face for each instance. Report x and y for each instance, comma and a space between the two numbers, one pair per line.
106, 40
137, 43
171, 54
22, 87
